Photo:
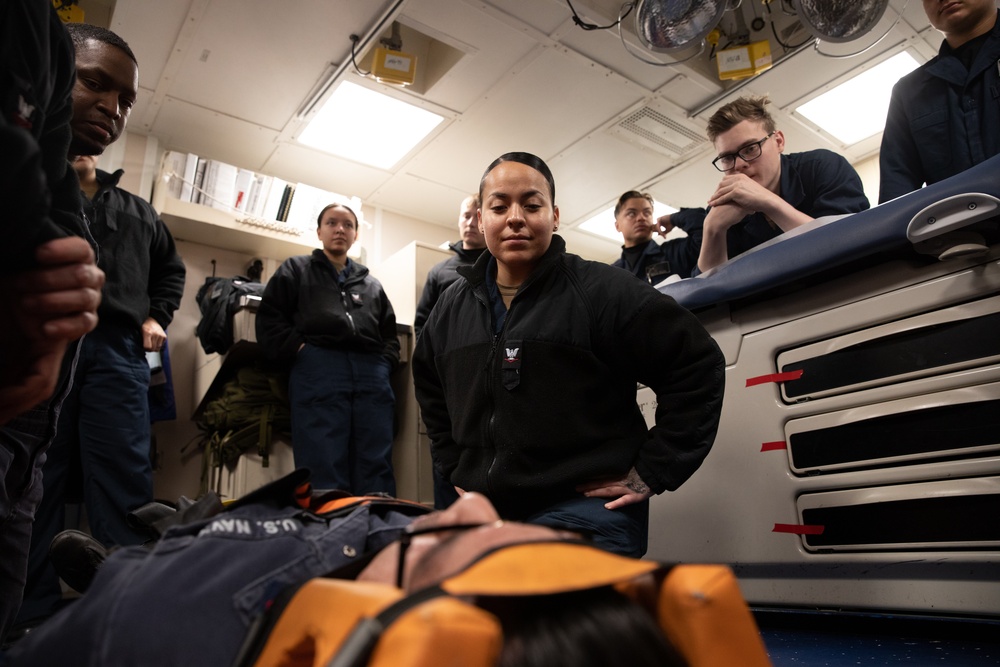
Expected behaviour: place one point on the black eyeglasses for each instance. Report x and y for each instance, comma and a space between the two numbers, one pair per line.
410, 532
748, 153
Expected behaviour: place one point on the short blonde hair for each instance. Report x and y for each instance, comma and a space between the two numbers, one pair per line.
735, 112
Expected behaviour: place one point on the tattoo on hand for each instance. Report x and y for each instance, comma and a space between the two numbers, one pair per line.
635, 483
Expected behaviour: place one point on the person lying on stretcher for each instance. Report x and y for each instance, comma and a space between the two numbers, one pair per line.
457, 585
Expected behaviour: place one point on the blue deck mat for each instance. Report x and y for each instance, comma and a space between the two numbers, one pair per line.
837, 639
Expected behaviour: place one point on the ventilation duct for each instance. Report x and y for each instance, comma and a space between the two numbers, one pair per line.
656, 126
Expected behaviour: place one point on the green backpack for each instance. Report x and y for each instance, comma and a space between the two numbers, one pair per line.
251, 409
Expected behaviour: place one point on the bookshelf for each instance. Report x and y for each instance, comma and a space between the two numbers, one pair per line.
220, 205
219, 229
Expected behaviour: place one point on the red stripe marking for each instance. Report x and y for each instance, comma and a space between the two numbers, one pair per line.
797, 529
774, 377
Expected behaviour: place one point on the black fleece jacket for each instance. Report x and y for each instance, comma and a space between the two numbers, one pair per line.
305, 301
439, 278
144, 273
40, 191
549, 402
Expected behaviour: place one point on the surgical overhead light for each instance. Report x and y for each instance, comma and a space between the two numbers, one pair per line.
840, 20
668, 26
844, 21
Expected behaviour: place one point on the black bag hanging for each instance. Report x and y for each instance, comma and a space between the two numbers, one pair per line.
218, 299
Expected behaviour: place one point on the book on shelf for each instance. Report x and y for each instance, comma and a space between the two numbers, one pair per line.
220, 185
244, 181
173, 173
286, 202
190, 171
307, 204
245, 193
198, 180
257, 195
275, 194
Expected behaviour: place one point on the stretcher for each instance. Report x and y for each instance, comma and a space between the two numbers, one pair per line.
857, 463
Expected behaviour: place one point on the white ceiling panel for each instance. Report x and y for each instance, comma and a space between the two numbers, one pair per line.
405, 192
606, 48
546, 106
225, 79
152, 50
297, 163
493, 48
690, 91
545, 16
195, 129
599, 159
230, 64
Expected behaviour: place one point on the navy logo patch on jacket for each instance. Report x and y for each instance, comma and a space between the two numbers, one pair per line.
510, 364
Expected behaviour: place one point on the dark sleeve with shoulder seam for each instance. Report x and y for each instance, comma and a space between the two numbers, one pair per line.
166, 273
275, 321
675, 357
899, 160
387, 328
42, 194
833, 186
433, 407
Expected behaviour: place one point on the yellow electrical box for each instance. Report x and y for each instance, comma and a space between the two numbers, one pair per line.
68, 11
394, 67
741, 62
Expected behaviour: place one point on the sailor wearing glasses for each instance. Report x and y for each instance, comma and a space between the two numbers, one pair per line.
764, 191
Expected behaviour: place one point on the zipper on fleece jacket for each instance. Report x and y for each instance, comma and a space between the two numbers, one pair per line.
490, 375
345, 302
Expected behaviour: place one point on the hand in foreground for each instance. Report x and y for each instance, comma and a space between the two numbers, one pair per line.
45, 308
58, 300
626, 491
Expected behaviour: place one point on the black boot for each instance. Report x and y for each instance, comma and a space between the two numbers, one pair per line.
76, 557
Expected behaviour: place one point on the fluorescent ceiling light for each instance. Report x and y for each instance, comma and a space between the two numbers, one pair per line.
365, 126
603, 224
856, 109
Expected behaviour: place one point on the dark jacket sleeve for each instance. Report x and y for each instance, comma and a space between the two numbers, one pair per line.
691, 220
838, 189
899, 160
675, 357
428, 298
275, 322
433, 408
41, 193
387, 328
685, 251
166, 274
27, 223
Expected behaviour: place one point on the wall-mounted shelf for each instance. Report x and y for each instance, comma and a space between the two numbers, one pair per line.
212, 227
